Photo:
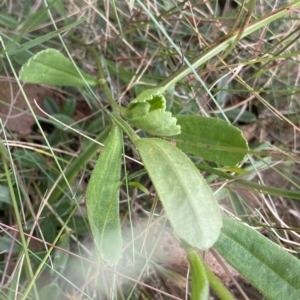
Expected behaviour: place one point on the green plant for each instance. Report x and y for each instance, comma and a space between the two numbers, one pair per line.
187, 199
167, 166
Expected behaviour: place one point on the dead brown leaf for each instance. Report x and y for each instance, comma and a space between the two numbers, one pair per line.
14, 111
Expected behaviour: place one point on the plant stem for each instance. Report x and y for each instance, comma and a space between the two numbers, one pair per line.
200, 285
101, 78
242, 29
124, 125
217, 286
102, 81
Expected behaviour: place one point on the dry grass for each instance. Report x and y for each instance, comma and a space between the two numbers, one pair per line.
256, 85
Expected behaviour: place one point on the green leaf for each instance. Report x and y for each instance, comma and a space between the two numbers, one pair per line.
269, 268
137, 110
139, 186
147, 112
53, 68
66, 121
8, 21
22, 57
102, 199
51, 106
148, 94
69, 107
157, 123
210, 138
188, 200
29, 159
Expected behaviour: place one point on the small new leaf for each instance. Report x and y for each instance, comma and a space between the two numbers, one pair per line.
147, 112
147, 95
157, 123
102, 199
53, 68
137, 110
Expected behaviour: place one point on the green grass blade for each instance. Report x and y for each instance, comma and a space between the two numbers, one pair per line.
41, 39
258, 188
6, 162
8, 21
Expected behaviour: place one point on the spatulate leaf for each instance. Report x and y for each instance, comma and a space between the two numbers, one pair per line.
187, 199
211, 139
102, 199
53, 68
